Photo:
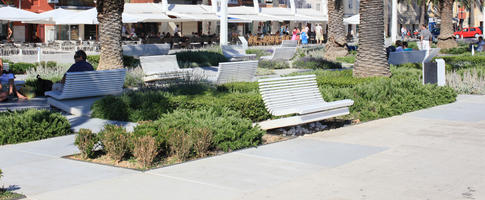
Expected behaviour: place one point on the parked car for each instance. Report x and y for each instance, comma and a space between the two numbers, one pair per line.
469, 32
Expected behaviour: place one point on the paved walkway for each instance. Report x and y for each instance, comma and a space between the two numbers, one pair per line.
431, 154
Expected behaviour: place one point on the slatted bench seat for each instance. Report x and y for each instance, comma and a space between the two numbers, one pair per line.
421, 56
146, 49
236, 54
162, 67
299, 96
281, 53
81, 89
289, 43
242, 71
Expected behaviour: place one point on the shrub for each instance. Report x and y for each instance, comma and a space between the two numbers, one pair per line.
187, 59
230, 131
456, 50
180, 143
86, 142
258, 52
111, 107
134, 77
145, 149
128, 61
315, 63
460, 62
467, 81
1, 173
115, 141
21, 67
268, 64
30, 125
53, 74
202, 140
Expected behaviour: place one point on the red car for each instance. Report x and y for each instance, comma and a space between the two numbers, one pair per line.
468, 32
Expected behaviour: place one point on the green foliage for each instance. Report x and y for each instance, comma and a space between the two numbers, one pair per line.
115, 141
347, 59
456, 50
462, 61
86, 142
20, 67
268, 64
128, 61
30, 125
413, 45
134, 77
1, 173
258, 52
315, 63
188, 59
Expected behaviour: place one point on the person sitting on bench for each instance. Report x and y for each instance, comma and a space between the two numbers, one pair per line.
80, 65
7, 85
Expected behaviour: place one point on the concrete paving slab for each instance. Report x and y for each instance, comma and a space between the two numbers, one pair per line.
238, 171
56, 173
19, 104
139, 186
467, 112
13, 158
53, 147
328, 154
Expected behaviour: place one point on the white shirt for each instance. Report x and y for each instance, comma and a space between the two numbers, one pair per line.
5, 78
318, 29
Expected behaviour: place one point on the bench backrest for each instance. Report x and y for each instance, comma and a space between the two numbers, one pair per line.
397, 58
283, 53
244, 42
287, 92
243, 71
230, 51
152, 65
289, 43
93, 83
146, 49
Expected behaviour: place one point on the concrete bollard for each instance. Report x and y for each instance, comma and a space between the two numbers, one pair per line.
38, 54
434, 72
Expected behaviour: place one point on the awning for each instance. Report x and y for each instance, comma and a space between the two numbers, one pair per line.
50, 17
91, 17
193, 17
352, 20
254, 17
15, 14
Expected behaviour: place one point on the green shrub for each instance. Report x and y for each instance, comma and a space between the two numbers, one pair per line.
241, 87
188, 59
456, 50
86, 142
258, 52
134, 77
115, 141
459, 62
268, 64
1, 173
128, 61
21, 67
315, 63
30, 125
111, 107
347, 59
230, 130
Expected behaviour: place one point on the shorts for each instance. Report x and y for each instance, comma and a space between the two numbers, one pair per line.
5, 88
319, 36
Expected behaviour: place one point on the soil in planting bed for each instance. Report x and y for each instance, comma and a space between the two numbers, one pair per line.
130, 162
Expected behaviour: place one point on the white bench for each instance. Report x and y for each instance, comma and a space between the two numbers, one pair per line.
146, 50
162, 67
289, 43
243, 71
281, 53
90, 84
244, 42
300, 96
421, 56
236, 54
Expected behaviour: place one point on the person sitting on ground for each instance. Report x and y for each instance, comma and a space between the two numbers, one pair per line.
80, 65
7, 85
399, 46
480, 45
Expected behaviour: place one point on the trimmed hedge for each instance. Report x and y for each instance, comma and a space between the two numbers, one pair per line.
30, 125
188, 59
461, 62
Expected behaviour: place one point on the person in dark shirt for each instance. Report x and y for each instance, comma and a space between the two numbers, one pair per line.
80, 64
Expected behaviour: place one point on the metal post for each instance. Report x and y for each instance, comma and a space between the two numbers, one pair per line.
292, 6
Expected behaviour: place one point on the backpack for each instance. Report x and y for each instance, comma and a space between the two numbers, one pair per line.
43, 85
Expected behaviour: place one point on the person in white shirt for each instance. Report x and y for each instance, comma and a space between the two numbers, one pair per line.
319, 34
403, 33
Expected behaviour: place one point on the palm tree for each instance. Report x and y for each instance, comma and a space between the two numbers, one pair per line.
371, 55
446, 39
336, 42
110, 25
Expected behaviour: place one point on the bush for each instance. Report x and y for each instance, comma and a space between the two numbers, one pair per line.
20, 67
202, 140
128, 61
30, 125
180, 143
315, 63
258, 52
467, 81
86, 142
461, 62
268, 64
115, 141
53, 74
456, 50
134, 77
188, 59
145, 149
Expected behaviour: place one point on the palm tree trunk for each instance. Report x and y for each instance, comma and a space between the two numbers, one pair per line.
110, 24
446, 39
371, 55
336, 42
471, 18
422, 19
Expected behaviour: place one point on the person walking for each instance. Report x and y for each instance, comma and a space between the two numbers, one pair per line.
403, 33
304, 36
425, 37
319, 34
293, 36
